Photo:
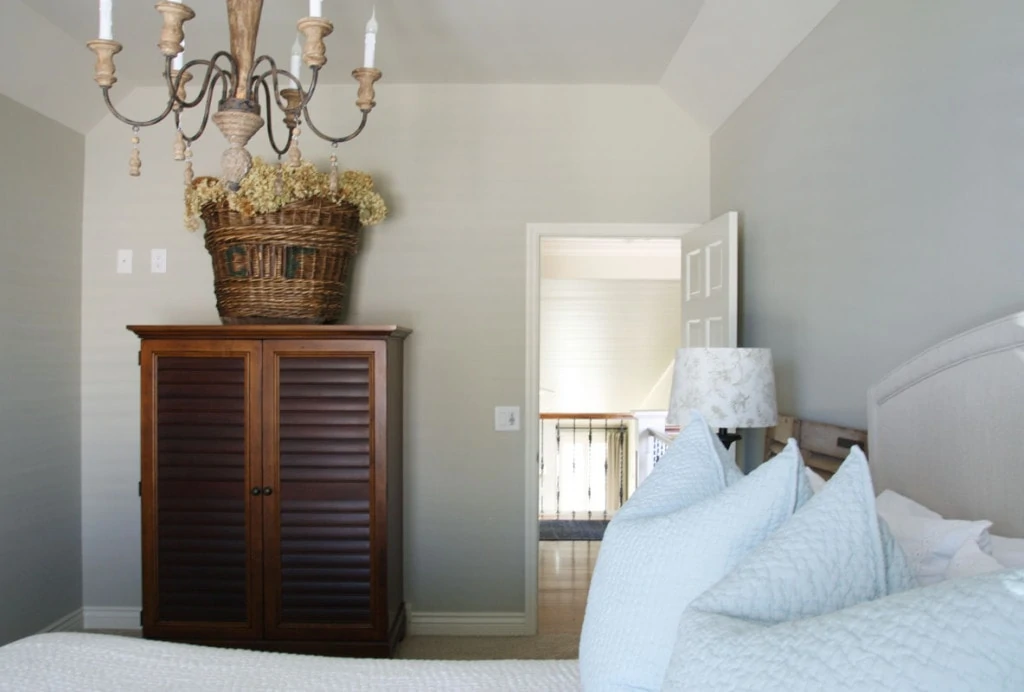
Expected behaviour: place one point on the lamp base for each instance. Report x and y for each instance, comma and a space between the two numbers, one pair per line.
727, 437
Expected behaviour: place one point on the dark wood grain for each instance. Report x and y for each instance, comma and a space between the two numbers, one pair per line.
201, 566
312, 414
269, 331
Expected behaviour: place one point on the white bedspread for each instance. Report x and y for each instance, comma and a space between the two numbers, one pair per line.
66, 661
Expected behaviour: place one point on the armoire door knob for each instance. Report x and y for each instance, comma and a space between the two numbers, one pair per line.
268, 490
256, 491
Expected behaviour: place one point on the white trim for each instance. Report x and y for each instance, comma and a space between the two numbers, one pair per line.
112, 618
72, 622
534, 233
468, 624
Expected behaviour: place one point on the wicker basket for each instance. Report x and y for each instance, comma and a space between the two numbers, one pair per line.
291, 266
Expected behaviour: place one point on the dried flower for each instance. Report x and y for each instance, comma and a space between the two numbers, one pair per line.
262, 191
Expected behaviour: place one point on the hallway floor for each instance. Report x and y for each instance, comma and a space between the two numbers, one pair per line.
563, 579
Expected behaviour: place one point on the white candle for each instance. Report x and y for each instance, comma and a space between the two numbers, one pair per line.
371, 39
296, 68
179, 59
107, 19
316, 8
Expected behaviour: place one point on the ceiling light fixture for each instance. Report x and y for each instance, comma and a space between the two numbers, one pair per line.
244, 82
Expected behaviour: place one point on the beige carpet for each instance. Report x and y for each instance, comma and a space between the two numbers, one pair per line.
541, 646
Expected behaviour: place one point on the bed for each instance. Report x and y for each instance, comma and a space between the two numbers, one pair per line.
945, 429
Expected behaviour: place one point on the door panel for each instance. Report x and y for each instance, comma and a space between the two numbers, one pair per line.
710, 284
201, 415
320, 571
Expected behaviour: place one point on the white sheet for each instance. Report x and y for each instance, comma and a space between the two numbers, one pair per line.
86, 662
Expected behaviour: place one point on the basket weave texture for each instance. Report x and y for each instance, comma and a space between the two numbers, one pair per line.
291, 266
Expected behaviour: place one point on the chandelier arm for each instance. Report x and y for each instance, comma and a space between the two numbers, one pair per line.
313, 82
273, 73
129, 121
223, 78
233, 72
212, 71
270, 122
335, 140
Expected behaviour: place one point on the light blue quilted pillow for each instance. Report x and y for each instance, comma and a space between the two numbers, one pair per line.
681, 532
833, 554
959, 635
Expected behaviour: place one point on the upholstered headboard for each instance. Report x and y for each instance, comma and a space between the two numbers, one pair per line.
947, 427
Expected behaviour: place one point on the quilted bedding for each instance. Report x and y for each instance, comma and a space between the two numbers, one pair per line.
68, 661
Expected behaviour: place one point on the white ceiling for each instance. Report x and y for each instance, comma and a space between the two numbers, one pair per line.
462, 41
708, 55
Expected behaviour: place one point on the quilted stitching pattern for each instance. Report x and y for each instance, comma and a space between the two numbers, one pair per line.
829, 556
963, 634
678, 535
103, 663
827, 603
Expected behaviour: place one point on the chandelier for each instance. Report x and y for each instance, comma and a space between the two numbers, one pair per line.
243, 84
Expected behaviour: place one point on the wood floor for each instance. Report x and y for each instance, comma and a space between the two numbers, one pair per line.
563, 579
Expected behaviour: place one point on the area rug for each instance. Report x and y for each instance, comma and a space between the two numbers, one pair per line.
568, 530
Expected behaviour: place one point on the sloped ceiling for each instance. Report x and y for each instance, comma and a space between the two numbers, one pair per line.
731, 49
708, 55
47, 70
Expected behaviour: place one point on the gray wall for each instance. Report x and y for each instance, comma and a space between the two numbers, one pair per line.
464, 169
880, 176
41, 180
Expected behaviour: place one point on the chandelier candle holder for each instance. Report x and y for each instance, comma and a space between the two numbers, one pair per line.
243, 84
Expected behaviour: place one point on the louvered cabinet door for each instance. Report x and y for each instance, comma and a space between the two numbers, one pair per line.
200, 462
323, 423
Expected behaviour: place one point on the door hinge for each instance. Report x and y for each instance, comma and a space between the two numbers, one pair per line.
140, 357
140, 488
140, 618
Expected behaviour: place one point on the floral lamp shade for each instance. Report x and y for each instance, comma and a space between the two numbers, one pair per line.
730, 387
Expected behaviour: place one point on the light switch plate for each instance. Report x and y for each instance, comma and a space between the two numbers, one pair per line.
158, 261
506, 418
124, 261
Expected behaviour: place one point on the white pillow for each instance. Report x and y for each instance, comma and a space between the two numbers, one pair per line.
891, 502
817, 482
969, 561
929, 541
681, 532
1008, 551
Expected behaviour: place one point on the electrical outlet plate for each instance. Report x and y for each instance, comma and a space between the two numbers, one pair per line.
124, 261
158, 261
506, 418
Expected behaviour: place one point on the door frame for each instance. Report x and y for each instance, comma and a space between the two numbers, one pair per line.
535, 232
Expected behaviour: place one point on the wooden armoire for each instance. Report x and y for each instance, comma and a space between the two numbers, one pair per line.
272, 487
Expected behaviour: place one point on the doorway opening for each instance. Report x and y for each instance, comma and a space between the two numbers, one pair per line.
604, 321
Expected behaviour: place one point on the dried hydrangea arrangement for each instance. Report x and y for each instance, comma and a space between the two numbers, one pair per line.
267, 188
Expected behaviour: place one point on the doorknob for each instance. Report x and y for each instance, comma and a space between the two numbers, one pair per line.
268, 490
256, 491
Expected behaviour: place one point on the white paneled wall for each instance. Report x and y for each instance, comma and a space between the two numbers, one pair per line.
605, 343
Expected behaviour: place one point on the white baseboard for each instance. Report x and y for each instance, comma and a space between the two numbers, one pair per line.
468, 624
72, 622
112, 618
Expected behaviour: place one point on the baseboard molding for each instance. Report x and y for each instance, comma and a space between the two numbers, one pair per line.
112, 618
468, 624
72, 622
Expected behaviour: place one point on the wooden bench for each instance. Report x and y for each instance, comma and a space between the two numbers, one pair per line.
823, 446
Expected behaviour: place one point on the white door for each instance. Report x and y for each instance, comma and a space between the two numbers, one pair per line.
710, 284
